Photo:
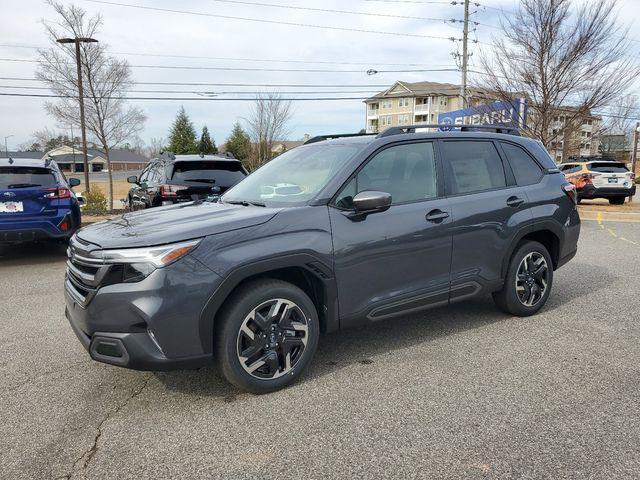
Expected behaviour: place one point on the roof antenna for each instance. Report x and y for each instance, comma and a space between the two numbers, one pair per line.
201, 154
10, 161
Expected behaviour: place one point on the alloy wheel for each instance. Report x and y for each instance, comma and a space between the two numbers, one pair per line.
272, 339
532, 279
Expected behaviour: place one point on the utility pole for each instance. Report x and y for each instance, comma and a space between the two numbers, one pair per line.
77, 42
465, 54
6, 149
73, 149
634, 150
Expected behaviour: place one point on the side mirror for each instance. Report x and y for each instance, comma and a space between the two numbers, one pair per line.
74, 182
215, 190
132, 179
371, 202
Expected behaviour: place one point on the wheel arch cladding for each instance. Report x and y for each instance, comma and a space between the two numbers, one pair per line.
303, 270
544, 234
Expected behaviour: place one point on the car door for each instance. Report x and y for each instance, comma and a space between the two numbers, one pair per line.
488, 209
395, 261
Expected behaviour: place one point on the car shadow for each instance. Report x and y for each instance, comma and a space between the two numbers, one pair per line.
362, 345
32, 253
352, 346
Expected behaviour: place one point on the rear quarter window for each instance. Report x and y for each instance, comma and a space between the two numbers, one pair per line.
525, 169
24, 177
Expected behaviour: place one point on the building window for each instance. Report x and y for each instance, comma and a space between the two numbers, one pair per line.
385, 121
403, 102
386, 104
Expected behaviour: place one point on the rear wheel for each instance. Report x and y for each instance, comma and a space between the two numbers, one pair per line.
528, 282
617, 200
268, 333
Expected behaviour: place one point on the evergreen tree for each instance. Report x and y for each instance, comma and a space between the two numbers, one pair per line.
238, 143
182, 138
207, 145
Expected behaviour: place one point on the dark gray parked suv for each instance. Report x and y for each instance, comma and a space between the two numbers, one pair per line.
339, 232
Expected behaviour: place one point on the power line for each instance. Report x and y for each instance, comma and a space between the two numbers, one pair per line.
329, 10
240, 59
200, 84
181, 99
275, 22
258, 69
245, 92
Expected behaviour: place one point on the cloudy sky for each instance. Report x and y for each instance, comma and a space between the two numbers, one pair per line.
149, 39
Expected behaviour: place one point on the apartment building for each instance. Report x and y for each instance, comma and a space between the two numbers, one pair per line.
582, 140
416, 103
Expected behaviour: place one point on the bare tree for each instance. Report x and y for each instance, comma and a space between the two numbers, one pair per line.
155, 146
268, 122
106, 80
616, 130
566, 64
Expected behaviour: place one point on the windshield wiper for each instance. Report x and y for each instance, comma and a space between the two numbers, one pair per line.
23, 185
245, 203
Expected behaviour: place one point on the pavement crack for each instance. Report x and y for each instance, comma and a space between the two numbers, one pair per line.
81, 464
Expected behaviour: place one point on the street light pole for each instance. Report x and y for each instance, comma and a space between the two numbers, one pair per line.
77, 42
6, 149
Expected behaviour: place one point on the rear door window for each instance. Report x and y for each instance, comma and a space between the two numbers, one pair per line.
608, 167
207, 172
474, 166
525, 169
25, 177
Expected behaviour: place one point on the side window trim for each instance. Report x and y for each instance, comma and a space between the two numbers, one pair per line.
509, 179
372, 155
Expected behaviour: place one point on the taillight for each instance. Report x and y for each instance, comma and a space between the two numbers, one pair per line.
570, 190
632, 176
171, 190
587, 177
58, 192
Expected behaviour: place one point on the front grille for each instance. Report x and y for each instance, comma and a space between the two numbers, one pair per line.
85, 272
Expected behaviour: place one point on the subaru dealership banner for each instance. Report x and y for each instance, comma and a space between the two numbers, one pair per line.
513, 114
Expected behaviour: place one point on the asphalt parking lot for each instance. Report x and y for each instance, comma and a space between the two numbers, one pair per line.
460, 392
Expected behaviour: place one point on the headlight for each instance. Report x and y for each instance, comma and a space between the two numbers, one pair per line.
157, 256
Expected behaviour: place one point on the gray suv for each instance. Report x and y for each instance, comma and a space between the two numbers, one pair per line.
343, 231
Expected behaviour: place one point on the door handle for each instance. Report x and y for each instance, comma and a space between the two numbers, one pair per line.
515, 201
436, 216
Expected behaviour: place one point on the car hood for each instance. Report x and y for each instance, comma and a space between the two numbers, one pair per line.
157, 226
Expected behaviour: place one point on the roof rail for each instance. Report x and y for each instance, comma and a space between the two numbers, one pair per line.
448, 127
320, 138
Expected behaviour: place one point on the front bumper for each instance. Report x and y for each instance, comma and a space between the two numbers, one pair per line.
154, 324
590, 191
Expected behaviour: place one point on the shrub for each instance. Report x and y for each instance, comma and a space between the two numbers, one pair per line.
96, 201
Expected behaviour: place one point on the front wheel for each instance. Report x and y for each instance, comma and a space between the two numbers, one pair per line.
528, 282
266, 336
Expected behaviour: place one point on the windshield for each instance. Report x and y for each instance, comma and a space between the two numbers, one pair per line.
294, 177
23, 177
222, 173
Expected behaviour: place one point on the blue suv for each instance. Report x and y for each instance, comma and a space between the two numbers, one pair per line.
36, 201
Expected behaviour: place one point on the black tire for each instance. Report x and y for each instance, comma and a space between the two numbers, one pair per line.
509, 298
230, 328
617, 200
579, 201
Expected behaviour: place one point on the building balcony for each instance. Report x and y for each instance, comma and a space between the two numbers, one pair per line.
422, 107
372, 113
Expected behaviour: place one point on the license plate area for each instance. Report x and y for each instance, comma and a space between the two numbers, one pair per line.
613, 180
11, 207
